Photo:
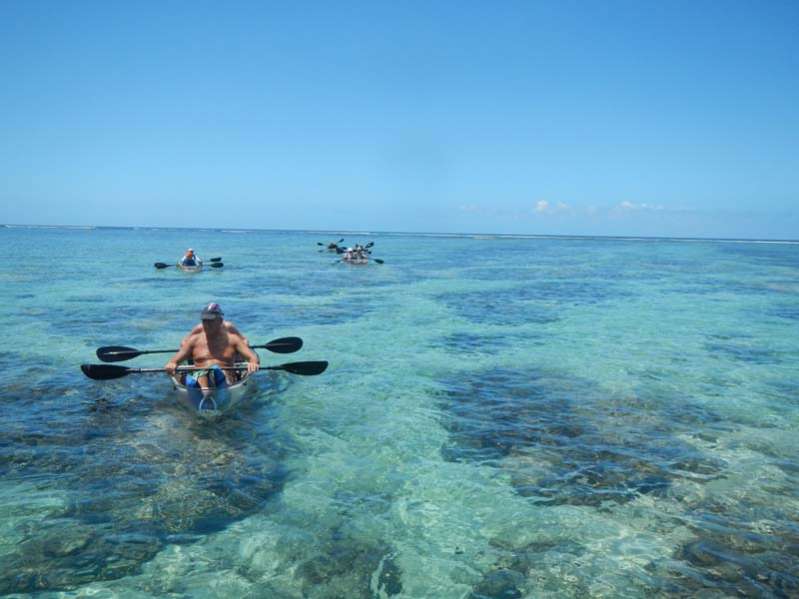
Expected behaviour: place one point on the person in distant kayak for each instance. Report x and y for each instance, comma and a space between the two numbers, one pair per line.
213, 346
189, 258
358, 252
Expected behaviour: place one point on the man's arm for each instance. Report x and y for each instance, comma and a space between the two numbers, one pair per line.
195, 331
183, 353
241, 346
231, 329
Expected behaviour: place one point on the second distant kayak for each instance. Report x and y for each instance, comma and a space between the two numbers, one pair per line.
196, 267
355, 259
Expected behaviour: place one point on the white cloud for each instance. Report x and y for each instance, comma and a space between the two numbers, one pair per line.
626, 206
544, 207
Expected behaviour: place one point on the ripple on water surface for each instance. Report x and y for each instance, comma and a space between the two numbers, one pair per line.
564, 441
629, 430
135, 475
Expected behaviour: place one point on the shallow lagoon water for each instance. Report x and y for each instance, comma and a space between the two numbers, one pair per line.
502, 417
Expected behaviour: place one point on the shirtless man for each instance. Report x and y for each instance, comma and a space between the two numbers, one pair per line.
228, 325
212, 346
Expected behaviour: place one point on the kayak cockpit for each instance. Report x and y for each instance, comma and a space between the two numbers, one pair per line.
213, 401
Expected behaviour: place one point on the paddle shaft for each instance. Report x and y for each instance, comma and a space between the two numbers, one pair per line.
106, 372
378, 260
284, 345
214, 263
195, 368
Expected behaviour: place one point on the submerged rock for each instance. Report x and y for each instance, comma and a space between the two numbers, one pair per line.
350, 568
561, 449
499, 584
66, 558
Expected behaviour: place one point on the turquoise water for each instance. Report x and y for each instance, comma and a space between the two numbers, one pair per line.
502, 417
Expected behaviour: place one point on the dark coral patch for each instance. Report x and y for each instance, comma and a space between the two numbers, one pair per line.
561, 440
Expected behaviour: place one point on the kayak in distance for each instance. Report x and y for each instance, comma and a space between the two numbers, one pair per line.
333, 246
196, 267
354, 258
359, 254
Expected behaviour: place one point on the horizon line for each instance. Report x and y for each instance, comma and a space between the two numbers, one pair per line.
411, 233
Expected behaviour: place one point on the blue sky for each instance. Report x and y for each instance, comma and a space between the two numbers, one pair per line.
600, 118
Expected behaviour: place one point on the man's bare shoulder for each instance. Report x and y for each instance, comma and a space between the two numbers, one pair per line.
193, 336
198, 328
236, 337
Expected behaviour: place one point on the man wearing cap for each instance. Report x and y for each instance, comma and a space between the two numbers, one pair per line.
189, 259
211, 347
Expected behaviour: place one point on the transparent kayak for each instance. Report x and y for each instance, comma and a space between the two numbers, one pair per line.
214, 402
196, 268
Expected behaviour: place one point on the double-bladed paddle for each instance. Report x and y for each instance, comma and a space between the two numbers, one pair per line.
120, 353
215, 263
378, 260
161, 265
107, 372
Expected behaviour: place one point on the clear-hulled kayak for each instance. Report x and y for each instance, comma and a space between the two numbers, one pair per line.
217, 401
197, 267
355, 259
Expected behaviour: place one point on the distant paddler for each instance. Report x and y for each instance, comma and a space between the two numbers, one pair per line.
189, 258
357, 254
214, 345
191, 262
333, 246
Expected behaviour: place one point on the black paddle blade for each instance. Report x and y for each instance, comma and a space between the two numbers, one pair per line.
284, 345
117, 353
319, 243
161, 265
307, 368
216, 265
215, 260
104, 372
378, 260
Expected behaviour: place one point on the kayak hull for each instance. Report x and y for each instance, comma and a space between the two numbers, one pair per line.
213, 403
355, 260
196, 268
